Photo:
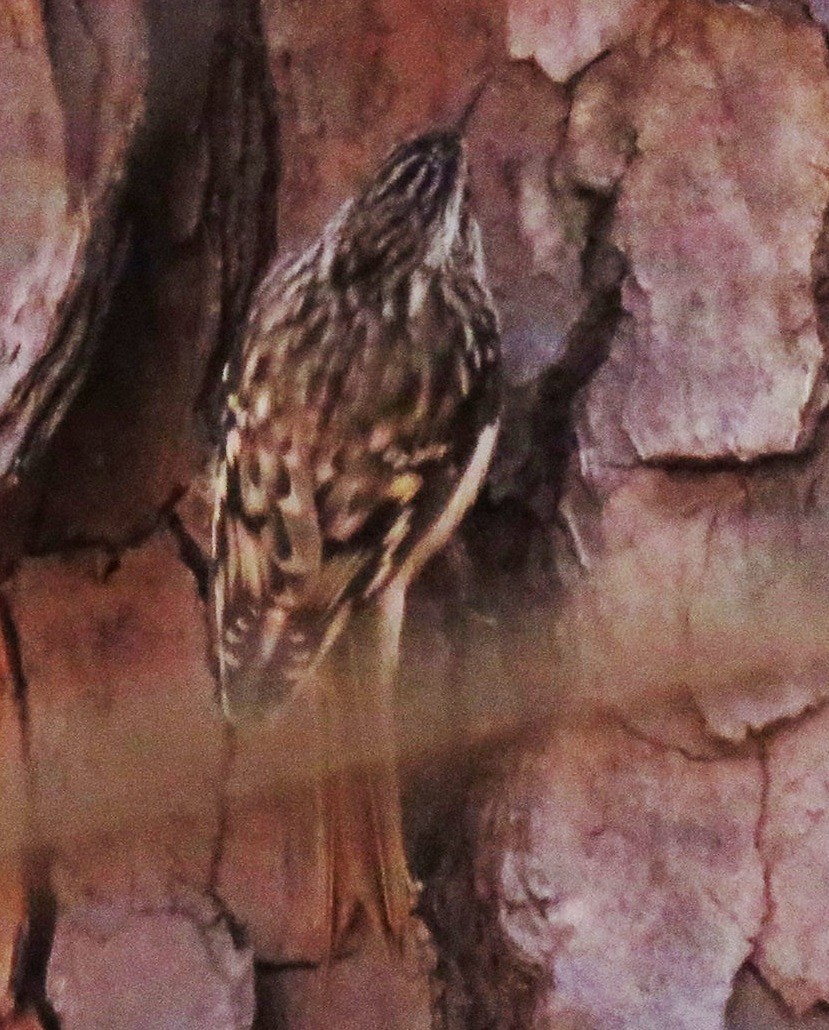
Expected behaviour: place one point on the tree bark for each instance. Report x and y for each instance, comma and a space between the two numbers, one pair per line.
611, 703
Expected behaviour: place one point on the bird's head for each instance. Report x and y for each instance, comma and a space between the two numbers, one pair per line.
414, 212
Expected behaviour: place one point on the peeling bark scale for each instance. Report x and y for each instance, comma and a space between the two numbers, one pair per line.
612, 702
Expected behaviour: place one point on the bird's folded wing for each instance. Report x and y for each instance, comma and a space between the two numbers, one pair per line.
336, 461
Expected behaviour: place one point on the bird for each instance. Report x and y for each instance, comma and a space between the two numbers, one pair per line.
362, 412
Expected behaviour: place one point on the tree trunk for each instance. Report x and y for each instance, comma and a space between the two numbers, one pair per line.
611, 705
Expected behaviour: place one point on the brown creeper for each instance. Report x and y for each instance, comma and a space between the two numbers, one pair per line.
361, 420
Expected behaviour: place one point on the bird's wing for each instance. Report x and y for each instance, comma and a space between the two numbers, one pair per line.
339, 453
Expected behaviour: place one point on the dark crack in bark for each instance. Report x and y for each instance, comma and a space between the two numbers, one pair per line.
241, 196
199, 565
45, 395
199, 220
191, 554
759, 839
34, 944
112, 549
724, 748
480, 981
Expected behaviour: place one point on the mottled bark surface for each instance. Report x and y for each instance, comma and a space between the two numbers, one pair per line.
72, 93
157, 123
12, 823
206, 980
689, 544
612, 697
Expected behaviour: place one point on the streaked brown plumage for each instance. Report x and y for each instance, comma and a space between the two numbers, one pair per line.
361, 418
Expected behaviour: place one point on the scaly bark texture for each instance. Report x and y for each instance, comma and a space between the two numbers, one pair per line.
689, 621
612, 713
199, 211
145, 136
205, 981
68, 124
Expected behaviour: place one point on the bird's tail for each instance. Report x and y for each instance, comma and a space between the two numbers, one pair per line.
369, 888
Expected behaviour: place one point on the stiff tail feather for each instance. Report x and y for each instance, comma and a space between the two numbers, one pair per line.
369, 887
